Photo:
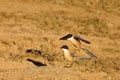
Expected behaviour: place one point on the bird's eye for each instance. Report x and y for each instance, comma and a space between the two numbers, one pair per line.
68, 36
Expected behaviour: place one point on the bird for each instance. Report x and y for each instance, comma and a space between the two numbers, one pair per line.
76, 41
71, 57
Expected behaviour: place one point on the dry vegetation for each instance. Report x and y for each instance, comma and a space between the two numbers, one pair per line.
38, 25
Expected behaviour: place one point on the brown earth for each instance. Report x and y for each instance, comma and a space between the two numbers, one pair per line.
38, 25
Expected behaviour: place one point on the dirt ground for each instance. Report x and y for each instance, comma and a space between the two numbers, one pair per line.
30, 45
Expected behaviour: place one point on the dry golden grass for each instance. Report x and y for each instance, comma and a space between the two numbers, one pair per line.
38, 25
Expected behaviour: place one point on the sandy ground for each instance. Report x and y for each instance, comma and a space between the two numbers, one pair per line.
38, 25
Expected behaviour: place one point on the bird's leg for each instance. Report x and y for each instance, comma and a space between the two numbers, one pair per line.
65, 63
69, 65
74, 59
76, 51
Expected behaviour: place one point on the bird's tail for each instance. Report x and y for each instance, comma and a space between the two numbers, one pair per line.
78, 57
82, 58
89, 53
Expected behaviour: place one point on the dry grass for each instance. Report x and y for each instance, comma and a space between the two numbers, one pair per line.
40, 23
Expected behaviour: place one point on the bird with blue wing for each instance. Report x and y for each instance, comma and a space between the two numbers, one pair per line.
76, 41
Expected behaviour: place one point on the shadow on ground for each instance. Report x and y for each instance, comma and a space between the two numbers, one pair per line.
36, 52
36, 63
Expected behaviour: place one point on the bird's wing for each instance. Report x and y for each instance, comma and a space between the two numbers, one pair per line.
82, 39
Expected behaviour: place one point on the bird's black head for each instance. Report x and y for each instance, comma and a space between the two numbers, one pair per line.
66, 37
64, 47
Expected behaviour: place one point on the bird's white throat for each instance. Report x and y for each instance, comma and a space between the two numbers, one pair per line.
66, 51
71, 39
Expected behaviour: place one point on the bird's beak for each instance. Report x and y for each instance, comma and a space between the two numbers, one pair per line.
61, 47
63, 38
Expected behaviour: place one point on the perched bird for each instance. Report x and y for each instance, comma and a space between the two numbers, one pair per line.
76, 41
70, 56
